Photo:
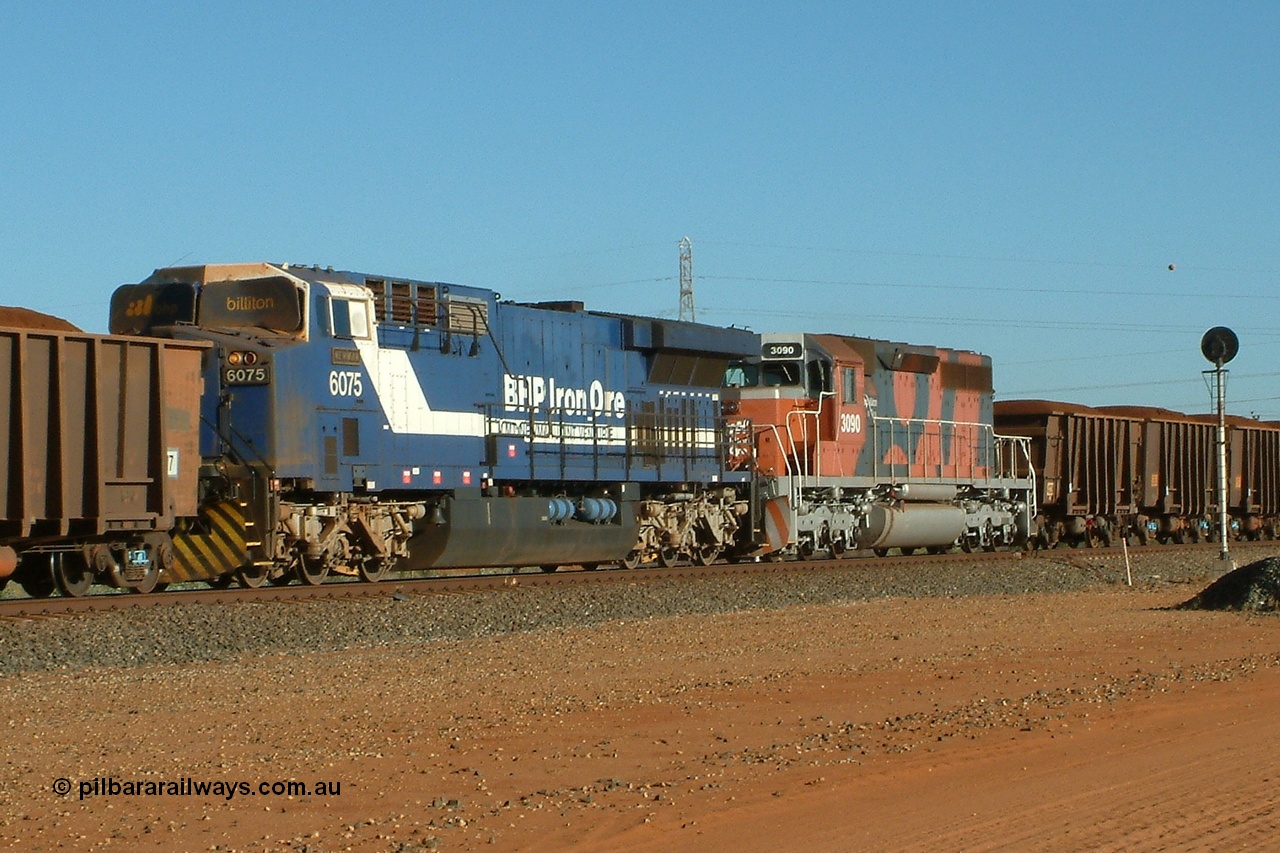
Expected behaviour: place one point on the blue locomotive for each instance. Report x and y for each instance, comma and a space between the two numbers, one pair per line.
354, 423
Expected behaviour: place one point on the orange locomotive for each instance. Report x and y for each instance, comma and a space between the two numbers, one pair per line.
859, 443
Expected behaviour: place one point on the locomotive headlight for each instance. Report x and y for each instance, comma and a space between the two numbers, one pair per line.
234, 358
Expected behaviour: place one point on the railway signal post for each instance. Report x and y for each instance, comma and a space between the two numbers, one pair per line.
1219, 345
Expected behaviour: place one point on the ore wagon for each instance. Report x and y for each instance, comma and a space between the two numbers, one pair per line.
99, 456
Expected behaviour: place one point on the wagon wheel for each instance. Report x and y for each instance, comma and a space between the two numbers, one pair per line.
313, 570
38, 583
35, 575
221, 581
838, 548
880, 552
938, 549
907, 552
72, 574
631, 561
162, 561
669, 558
149, 581
252, 576
549, 568
705, 555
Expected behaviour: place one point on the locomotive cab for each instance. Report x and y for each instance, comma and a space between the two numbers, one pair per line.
802, 400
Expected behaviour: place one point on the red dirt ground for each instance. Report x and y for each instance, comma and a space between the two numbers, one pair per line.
1083, 721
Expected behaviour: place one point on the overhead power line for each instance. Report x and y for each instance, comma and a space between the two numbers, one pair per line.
986, 288
943, 256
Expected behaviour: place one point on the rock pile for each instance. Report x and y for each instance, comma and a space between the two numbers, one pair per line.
1253, 587
25, 318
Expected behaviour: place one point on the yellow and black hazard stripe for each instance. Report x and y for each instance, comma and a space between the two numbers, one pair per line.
219, 544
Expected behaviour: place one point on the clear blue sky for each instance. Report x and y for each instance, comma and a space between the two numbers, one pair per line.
1013, 178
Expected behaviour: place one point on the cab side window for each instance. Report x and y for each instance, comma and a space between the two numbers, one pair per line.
820, 377
350, 319
848, 385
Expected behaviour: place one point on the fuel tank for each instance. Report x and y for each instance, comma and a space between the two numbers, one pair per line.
472, 530
914, 525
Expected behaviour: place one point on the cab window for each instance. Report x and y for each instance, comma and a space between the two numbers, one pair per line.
848, 385
780, 373
820, 377
741, 376
350, 318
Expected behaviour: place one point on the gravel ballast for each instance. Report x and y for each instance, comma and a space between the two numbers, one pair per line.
1255, 587
195, 633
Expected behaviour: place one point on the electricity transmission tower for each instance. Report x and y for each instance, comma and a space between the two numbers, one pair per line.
686, 281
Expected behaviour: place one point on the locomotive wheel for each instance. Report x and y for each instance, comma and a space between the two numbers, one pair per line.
252, 577
311, 571
669, 558
374, 570
631, 561
72, 574
706, 555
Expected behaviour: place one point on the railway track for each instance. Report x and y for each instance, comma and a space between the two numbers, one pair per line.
113, 600
20, 606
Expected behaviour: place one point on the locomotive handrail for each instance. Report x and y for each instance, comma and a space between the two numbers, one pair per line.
1018, 446
913, 431
568, 434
